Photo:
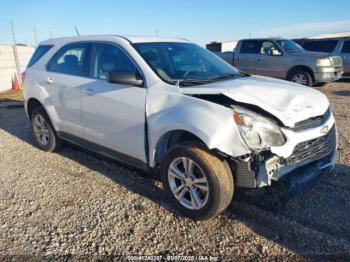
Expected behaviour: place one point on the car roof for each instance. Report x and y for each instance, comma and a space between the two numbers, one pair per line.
130, 39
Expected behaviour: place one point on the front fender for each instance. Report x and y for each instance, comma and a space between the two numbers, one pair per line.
169, 110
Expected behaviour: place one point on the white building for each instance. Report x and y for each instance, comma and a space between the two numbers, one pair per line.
8, 64
226, 46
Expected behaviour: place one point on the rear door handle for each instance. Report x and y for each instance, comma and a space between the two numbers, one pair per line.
89, 92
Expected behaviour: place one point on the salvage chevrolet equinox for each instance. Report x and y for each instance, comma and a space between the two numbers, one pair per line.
168, 105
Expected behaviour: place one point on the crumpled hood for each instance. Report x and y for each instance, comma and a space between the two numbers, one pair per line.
287, 101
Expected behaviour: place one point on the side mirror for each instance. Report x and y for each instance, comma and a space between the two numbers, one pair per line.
275, 52
124, 77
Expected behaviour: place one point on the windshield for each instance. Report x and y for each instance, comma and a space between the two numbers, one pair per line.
185, 63
290, 46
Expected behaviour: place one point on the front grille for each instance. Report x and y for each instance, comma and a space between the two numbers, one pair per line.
314, 149
337, 61
312, 122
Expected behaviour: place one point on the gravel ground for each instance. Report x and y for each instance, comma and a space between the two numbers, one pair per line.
70, 204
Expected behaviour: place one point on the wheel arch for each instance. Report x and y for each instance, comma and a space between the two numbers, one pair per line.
301, 68
31, 104
171, 138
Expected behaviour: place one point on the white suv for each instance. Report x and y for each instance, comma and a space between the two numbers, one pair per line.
161, 102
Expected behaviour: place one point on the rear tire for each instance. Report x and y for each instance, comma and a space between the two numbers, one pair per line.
43, 131
300, 77
198, 184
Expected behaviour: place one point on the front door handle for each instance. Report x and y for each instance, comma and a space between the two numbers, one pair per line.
89, 92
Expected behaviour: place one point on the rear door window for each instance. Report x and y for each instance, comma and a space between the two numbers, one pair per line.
346, 47
251, 47
71, 59
39, 52
326, 46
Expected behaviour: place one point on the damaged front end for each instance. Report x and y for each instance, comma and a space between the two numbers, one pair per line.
308, 162
292, 138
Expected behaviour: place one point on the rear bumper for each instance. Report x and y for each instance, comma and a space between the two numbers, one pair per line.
328, 74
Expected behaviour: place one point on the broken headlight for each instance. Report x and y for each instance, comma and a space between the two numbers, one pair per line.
257, 131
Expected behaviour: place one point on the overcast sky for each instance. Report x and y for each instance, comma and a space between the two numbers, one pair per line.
201, 21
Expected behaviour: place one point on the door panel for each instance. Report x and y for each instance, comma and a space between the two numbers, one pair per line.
273, 66
65, 76
268, 64
64, 100
114, 117
114, 114
245, 60
246, 63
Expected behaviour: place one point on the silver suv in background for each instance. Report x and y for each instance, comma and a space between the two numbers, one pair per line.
333, 46
285, 59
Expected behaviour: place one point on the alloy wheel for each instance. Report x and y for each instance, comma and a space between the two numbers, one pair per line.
300, 79
41, 130
188, 183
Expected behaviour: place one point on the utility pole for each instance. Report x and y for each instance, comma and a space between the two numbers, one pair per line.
15, 53
35, 37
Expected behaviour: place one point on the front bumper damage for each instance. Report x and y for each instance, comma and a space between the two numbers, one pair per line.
294, 169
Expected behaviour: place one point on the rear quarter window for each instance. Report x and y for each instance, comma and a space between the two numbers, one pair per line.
251, 47
39, 52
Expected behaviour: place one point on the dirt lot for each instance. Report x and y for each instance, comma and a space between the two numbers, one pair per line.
78, 206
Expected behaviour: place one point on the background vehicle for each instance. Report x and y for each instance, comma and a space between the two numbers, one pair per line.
228, 56
284, 59
165, 103
333, 46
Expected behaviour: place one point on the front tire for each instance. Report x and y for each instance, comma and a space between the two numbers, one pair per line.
198, 184
300, 77
43, 131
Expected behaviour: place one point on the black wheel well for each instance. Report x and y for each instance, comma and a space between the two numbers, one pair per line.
172, 138
31, 104
301, 68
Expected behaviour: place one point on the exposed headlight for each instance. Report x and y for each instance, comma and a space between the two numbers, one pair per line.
324, 62
257, 131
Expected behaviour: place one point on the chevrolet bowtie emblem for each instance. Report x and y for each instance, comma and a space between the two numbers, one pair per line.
324, 130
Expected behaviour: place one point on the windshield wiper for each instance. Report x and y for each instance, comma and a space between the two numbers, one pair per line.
223, 76
185, 82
